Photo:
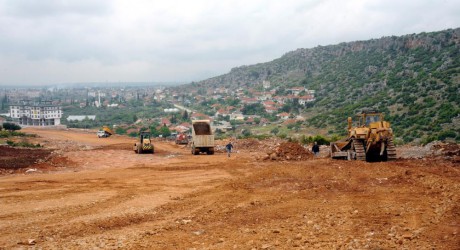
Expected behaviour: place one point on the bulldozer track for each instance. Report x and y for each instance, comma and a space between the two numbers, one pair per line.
391, 150
359, 150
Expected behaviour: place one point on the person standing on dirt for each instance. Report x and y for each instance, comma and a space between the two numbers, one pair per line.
315, 149
229, 148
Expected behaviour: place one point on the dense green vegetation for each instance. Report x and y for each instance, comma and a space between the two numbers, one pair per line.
413, 79
110, 116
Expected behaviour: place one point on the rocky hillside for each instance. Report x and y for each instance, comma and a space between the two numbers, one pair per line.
414, 79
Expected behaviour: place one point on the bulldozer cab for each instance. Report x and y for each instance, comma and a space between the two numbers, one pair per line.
366, 118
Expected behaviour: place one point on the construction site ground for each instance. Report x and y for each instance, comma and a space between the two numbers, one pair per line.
84, 192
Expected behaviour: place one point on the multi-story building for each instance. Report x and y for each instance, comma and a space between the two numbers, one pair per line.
36, 114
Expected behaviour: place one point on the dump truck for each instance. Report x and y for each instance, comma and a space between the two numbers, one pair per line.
181, 138
370, 138
144, 144
202, 137
105, 131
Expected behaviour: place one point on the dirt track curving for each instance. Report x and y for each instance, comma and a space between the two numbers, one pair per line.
97, 193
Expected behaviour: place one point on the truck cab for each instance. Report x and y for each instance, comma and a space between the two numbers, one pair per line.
101, 134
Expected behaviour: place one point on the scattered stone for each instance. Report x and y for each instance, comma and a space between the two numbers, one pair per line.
298, 236
266, 246
31, 170
408, 236
185, 222
29, 242
199, 232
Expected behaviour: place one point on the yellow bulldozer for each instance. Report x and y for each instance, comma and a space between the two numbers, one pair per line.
144, 145
370, 138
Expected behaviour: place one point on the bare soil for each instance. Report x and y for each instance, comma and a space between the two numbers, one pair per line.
84, 192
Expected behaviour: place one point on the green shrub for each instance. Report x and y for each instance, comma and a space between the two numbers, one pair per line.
447, 134
24, 144
4, 134
282, 135
11, 126
120, 131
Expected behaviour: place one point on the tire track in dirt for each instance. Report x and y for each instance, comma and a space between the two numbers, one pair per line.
118, 199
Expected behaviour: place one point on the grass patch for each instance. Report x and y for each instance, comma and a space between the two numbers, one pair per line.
24, 144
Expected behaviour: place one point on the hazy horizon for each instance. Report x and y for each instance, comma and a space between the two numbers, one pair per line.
52, 42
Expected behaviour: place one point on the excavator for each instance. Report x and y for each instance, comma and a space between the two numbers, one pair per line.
370, 139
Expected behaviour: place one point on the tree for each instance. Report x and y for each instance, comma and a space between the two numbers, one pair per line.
165, 131
246, 132
154, 131
185, 115
11, 126
173, 119
254, 109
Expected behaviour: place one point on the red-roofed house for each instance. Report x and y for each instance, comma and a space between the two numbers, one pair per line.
283, 115
269, 103
247, 100
305, 99
296, 90
271, 109
165, 121
222, 112
199, 116
289, 121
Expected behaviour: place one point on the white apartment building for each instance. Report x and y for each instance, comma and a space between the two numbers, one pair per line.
37, 114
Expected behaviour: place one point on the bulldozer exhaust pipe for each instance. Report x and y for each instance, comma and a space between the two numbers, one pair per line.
349, 123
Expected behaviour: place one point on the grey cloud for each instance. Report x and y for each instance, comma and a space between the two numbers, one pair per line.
52, 8
179, 40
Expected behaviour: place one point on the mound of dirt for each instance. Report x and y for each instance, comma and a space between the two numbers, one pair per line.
289, 151
448, 151
13, 159
248, 144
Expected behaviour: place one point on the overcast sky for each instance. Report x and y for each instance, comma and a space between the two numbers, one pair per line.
68, 41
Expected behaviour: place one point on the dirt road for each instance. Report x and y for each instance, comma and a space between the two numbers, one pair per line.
97, 193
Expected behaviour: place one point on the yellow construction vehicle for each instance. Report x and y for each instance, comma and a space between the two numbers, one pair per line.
370, 138
105, 131
144, 145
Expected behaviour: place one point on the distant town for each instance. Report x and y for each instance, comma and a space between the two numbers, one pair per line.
160, 106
